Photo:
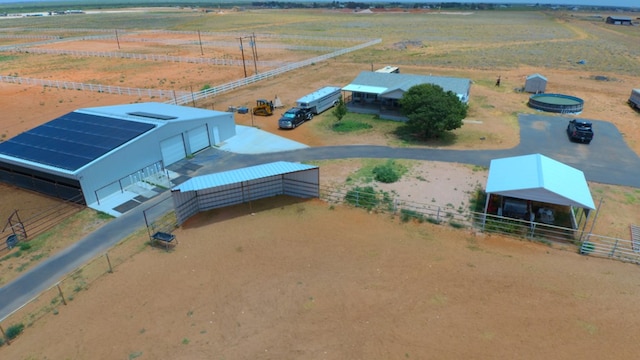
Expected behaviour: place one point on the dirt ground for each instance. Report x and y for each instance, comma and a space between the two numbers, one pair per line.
292, 279
276, 282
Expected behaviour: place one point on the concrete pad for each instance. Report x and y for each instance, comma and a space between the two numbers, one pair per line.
250, 140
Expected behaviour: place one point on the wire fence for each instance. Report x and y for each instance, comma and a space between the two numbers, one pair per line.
161, 216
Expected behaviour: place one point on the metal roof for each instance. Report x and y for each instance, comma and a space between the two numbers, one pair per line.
392, 82
152, 112
241, 175
539, 178
318, 94
72, 140
533, 76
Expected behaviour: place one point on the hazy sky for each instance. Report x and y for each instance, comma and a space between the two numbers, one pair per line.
627, 3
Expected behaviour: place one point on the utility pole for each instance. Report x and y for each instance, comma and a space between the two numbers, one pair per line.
117, 40
255, 52
200, 41
243, 63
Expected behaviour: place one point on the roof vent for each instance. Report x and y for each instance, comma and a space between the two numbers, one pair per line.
152, 116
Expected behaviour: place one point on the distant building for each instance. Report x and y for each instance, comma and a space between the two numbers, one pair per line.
619, 20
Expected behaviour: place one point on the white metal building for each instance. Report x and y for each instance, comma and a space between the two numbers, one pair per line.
238, 186
91, 153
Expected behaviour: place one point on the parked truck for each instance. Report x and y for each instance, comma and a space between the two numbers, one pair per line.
634, 99
320, 100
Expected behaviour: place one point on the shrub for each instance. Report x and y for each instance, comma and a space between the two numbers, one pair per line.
385, 173
14, 330
408, 215
362, 197
24, 246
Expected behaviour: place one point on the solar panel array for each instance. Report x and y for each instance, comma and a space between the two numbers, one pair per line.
73, 140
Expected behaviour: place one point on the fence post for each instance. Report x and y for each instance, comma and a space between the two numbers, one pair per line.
4, 335
61, 294
613, 249
109, 262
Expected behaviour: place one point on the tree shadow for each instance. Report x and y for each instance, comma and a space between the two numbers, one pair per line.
407, 136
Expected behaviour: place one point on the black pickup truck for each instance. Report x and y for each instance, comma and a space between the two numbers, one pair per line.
580, 130
294, 117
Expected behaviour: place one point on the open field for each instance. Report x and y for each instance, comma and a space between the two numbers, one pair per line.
313, 282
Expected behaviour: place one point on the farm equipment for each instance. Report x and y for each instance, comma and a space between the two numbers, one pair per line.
263, 108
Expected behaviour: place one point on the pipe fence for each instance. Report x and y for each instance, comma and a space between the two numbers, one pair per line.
116, 90
217, 90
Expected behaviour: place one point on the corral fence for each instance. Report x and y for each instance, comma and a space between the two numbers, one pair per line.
18, 229
217, 90
150, 57
611, 248
457, 217
161, 217
107, 89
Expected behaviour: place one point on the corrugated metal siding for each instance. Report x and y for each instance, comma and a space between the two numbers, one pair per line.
185, 205
244, 185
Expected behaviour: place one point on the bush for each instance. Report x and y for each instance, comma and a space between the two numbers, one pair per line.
24, 246
362, 197
408, 215
385, 173
14, 330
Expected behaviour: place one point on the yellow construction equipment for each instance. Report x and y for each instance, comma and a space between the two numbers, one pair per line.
263, 108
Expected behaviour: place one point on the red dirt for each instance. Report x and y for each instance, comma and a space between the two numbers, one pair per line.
297, 279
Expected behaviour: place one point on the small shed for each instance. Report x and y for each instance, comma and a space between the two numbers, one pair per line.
232, 187
535, 84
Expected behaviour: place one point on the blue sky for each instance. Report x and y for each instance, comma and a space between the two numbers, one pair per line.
627, 3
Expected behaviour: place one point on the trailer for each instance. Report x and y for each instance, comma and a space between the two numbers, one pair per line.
634, 99
321, 99
389, 70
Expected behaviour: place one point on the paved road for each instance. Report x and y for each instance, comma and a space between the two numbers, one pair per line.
606, 160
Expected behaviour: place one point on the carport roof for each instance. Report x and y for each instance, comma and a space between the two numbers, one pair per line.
539, 178
241, 175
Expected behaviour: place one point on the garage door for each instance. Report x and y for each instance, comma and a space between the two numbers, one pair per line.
172, 150
198, 139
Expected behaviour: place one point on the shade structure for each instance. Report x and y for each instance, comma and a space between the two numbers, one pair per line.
539, 178
243, 185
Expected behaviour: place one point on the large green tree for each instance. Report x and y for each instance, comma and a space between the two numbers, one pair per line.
431, 111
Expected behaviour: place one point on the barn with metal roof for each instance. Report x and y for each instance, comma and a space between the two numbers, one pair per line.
88, 154
378, 93
206, 192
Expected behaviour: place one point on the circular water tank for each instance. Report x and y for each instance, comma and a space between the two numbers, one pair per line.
557, 103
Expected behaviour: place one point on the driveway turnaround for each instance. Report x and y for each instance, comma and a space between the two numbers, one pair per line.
606, 160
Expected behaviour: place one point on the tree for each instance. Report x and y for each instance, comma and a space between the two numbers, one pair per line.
340, 110
431, 111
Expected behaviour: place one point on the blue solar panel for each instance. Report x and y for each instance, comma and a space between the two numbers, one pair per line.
73, 140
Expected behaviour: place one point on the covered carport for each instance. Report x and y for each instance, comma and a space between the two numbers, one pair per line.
541, 182
243, 185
